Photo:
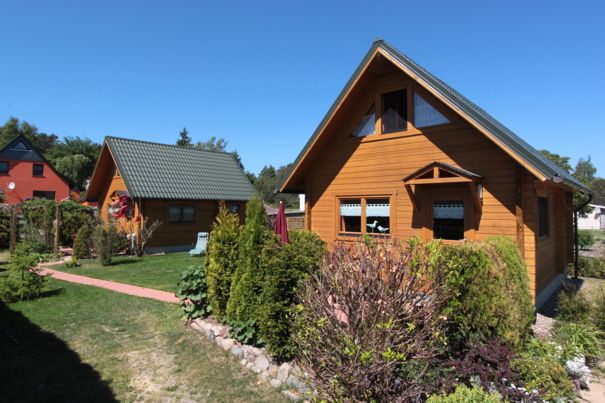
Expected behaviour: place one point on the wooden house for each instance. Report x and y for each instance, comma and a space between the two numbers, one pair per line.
178, 186
400, 154
26, 174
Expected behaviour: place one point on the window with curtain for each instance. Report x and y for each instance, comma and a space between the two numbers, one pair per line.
181, 214
543, 217
425, 114
378, 216
394, 111
350, 215
448, 220
367, 124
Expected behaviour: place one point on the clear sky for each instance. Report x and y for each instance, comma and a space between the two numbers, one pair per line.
263, 74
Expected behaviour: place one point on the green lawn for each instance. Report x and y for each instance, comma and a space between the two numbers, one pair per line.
161, 272
87, 344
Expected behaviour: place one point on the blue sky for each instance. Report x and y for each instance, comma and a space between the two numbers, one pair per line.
263, 74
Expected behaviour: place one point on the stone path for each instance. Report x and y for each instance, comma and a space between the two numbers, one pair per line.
129, 289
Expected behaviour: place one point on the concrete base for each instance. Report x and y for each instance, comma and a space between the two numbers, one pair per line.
169, 249
550, 289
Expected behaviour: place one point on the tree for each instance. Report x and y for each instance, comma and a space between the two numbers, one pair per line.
598, 187
213, 144
75, 167
585, 172
268, 181
184, 139
561, 161
13, 128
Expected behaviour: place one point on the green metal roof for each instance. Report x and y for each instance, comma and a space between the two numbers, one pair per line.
517, 145
162, 171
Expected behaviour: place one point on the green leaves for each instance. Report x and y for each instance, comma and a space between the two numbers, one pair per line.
193, 293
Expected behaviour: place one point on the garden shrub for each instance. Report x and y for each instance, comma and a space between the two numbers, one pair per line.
222, 259
579, 338
83, 243
5, 222
464, 394
285, 266
490, 293
247, 283
24, 280
36, 247
598, 313
107, 240
368, 323
572, 306
585, 239
193, 292
38, 217
540, 367
245, 332
591, 267
73, 217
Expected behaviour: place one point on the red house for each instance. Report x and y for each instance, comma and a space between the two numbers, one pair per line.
26, 174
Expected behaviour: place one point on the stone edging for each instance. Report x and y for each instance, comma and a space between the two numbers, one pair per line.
287, 377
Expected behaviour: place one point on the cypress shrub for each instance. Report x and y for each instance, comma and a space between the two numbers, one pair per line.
222, 259
83, 242
490, 293
285, 267
248, 279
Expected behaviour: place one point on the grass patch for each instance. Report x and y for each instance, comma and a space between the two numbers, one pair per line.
161, 272
81, 343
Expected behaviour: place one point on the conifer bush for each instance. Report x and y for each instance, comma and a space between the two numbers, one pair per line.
285, 267
247, 283
490, 293
222, 259
24, 280
83, 242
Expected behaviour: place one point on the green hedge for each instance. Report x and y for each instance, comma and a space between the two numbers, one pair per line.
490, 292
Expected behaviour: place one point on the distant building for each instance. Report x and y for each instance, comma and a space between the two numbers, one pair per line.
26, 174
594, 220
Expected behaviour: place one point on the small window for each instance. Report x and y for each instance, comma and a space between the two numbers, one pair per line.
350, 215
378, 216
44, 194
367, 124
448, 220
543, 217
234, 208
425, 115
38, 169
20, 146
181, 214
188, 214
4, 167
394, 112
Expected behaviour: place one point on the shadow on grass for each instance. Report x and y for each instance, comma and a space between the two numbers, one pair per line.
51, 293
35, 365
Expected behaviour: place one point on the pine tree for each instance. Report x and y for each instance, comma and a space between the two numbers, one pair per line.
184, 139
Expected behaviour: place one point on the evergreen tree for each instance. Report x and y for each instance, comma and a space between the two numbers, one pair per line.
184, 139
222, 259
247, 284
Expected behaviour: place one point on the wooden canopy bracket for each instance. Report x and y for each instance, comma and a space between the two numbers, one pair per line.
475, 195
408, 189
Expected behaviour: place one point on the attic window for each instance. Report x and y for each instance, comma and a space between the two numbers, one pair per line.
20, 146
394, 111
367, 124
425, 114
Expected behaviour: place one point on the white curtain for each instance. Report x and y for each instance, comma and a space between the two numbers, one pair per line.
378, 210
350, 210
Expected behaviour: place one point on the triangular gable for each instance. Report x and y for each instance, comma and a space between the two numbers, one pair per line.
514, 146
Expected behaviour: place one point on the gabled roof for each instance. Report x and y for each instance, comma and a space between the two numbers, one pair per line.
521, 151
21, 149
162, 171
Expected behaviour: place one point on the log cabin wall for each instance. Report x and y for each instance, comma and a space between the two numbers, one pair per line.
345, 166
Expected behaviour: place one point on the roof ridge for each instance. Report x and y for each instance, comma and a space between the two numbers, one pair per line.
168, 145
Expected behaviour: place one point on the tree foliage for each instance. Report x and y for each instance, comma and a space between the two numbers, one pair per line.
268, 181
184, 139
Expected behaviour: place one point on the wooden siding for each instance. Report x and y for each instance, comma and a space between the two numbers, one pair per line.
345, 166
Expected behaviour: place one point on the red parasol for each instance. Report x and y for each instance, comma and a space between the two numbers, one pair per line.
281, 224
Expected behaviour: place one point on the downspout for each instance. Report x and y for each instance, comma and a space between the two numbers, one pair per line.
577, 248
